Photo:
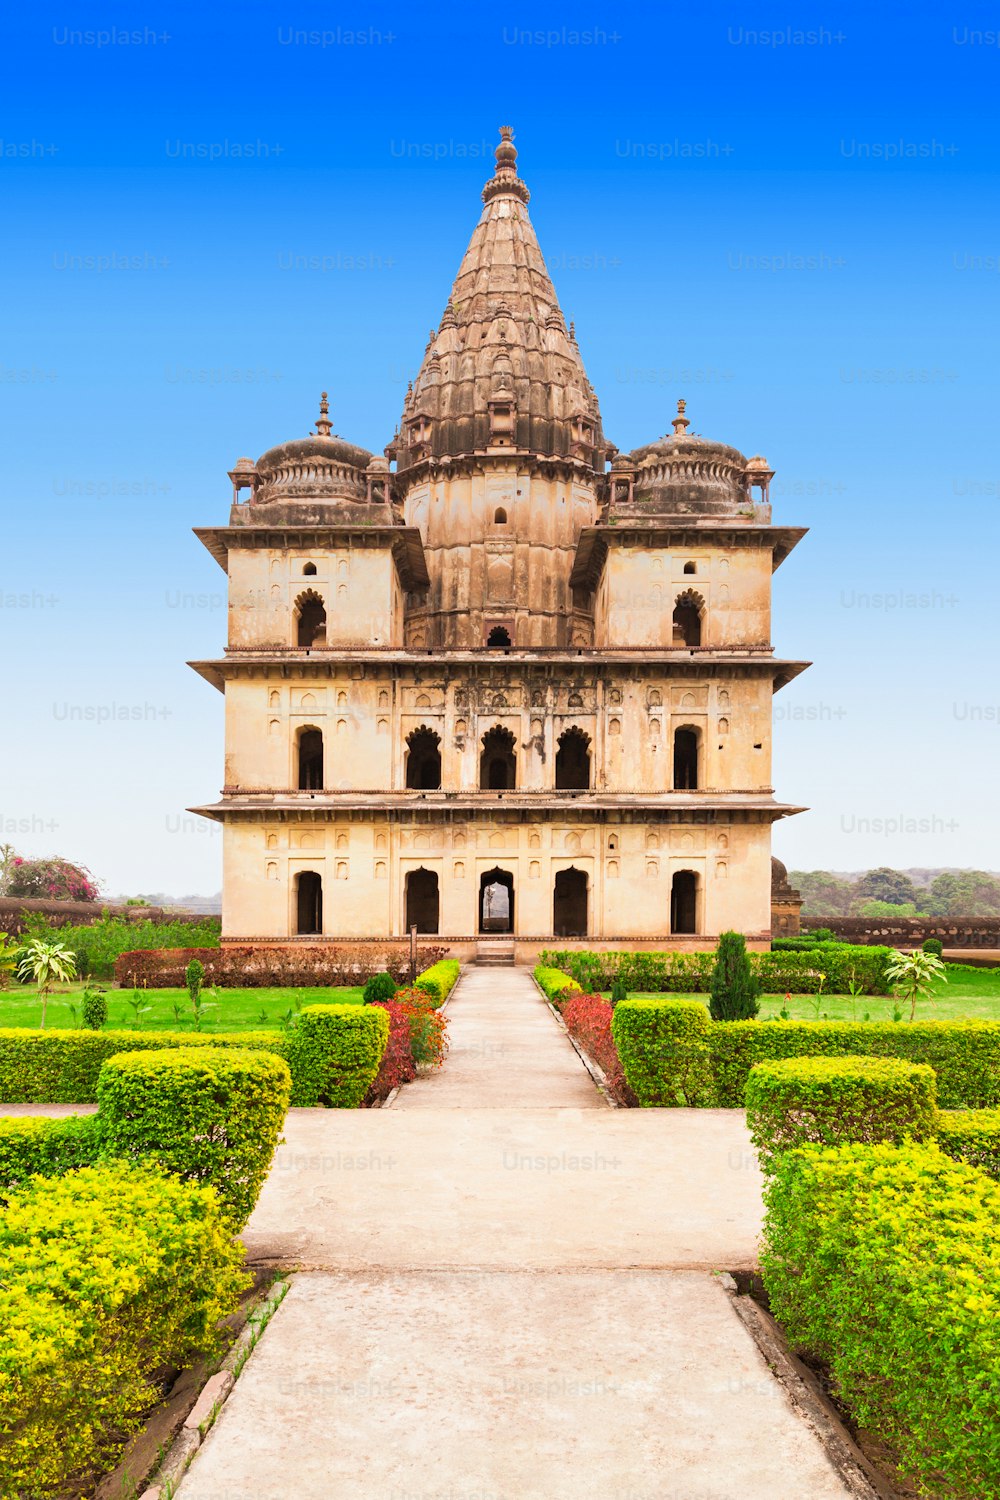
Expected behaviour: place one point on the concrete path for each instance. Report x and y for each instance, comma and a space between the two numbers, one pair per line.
506, 1295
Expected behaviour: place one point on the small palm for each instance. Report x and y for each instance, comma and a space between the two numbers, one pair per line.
914, 975
47, 963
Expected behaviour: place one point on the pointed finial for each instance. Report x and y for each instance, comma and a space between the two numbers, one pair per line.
572, 332
505, 179
681, 423
323, 424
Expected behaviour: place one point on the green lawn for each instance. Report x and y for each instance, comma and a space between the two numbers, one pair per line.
969, 993
236, 1010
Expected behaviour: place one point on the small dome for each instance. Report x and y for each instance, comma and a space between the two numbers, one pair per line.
758, 465
244, 466
682, 473
779, 872
321, 466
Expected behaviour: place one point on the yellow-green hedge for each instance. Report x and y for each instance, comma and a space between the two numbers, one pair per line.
885, 1262
440, 979
335, 1053
206, 1115
555, 984
973, 1136
664, 1046
109, 1275
32, 1146
62, 1067
829, 1100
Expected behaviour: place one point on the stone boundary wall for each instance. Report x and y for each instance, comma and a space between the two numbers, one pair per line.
83, 913
910, 932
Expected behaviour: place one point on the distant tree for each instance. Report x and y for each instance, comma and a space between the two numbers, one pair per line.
885, 884
50, 879
890, 909
823, 894
964, 893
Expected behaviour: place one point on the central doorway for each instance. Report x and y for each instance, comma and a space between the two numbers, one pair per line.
569, 903
684, 902
422, 901
496, 901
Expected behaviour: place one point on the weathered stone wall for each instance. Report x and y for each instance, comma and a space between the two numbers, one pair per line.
909, 932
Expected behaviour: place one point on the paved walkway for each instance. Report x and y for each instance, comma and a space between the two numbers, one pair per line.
506, 1295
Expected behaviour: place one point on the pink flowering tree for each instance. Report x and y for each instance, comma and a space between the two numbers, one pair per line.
50, 880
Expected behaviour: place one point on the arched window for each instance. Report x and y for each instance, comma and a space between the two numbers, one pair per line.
422, 900
309, 745
569, 903
310, 620
498, 636
309, 571
684, 902
573, 761
308, 902
423, 760
686, 759
497, 763
690, 567
688, 613
499, 516
496, 901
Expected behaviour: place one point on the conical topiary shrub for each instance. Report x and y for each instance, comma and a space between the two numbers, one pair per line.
735, 988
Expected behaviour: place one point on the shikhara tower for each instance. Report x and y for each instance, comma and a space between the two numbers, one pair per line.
504, 679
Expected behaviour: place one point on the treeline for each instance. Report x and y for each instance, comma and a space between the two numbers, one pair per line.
895, 893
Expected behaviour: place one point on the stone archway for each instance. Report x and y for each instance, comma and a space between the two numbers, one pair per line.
496, 901
684, 902
308, 903
423, 900
569, 903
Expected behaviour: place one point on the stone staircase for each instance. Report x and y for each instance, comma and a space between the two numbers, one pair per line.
495, 952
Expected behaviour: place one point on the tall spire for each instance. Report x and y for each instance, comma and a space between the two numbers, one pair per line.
503, 307
323, 424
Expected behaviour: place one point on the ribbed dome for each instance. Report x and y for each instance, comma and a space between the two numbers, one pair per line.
502, 371
685, 473
321, 466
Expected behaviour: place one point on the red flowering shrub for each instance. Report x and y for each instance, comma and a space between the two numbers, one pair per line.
55, 879
588, 1021
397, 1065
428, 1026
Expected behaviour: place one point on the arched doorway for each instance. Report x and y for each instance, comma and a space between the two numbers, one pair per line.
308, 902
422, 900
310, 746
684, 902
423, 759
310, 620
573, 761
497, 764
569, 903
686, 760
688, 612
496, 901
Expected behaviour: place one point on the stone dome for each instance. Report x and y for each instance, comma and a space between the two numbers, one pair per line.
321, 466
779, 873
688, 474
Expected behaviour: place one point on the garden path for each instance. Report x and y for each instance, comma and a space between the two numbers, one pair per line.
505, 1294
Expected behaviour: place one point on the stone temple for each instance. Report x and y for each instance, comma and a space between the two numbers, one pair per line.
504, 683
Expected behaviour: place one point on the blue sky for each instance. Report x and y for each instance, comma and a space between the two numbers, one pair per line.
790, 218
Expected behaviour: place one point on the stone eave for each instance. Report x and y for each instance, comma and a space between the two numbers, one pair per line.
679, 806
594, 541
217, 669
405, 542
478, 460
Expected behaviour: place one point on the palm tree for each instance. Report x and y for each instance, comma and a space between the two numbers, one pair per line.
47, 963
914, 975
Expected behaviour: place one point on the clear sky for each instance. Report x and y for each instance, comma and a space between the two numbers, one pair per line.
786, 214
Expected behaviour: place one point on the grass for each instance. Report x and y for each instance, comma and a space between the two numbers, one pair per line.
970, 994
236, 1010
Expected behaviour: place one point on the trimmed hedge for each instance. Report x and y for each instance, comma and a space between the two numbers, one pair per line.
204, 1115
972, 1136
664, 1047
34, 1146
110, 1276
248, 965
885, 1262
829, 1100
691, 973
440, 979
335, 1053
62, 1067
555, 984
965, 1055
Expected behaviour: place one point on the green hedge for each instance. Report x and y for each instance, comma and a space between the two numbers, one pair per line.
205, 1115
555, 983
335, 1053
62, 1067
965, 1055
30, 1146
829, 1100
440, 979
972, 1136
664, 1046
110, 1276
691, 973
885, 1262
